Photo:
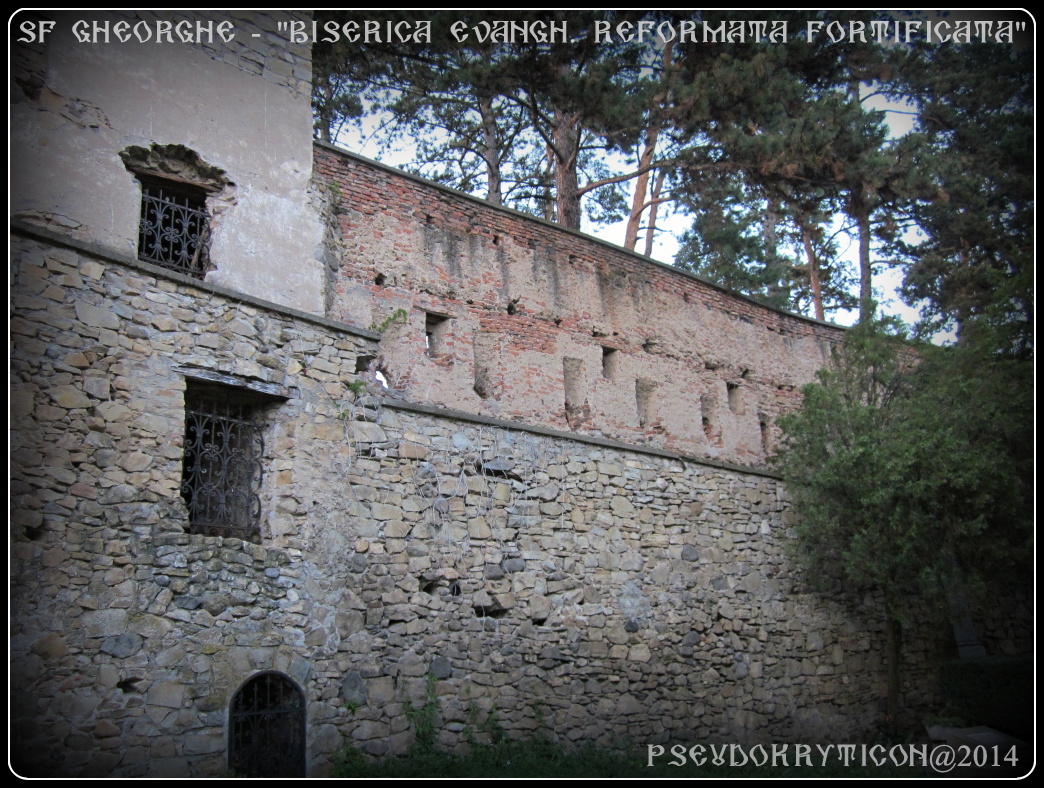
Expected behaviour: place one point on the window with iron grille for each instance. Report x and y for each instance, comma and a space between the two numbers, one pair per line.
222, 463
174, 230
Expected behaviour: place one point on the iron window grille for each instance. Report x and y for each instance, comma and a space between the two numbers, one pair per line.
222, 465
174, 231
267, 728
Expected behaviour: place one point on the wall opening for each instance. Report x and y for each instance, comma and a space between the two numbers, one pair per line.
735, 398
610, 357
643, 397
222, 459
180, 195
709, 417
266, 736
436, 331
572, 375
485, 355
576, 409
174, 227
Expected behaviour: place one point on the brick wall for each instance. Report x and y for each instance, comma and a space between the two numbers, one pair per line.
694, 368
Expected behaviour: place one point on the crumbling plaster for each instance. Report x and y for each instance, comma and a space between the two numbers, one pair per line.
78, 105
534, 308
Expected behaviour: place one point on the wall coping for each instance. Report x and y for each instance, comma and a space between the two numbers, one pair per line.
521, 426
638, 258
104, 253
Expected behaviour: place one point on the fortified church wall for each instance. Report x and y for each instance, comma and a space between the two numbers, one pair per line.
233, 551
513, 317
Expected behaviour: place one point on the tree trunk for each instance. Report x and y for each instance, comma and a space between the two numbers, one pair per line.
547, 191
859, 211
770, 222
325, 111
566, 145
650, 231
641, 186
813, 272
491, 151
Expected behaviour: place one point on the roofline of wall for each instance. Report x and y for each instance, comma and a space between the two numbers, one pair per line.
101, 252
521, 426
639, 258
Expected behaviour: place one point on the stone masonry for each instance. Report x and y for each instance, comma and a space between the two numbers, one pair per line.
591, 589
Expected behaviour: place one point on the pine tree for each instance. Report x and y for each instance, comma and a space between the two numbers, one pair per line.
974, 257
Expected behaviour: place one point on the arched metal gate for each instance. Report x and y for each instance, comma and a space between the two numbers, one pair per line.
267, 728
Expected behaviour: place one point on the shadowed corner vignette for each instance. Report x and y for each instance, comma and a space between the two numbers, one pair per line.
311, 454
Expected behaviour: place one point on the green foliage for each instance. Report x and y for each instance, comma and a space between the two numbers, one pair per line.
424, 717
398, 316
974, 255
906, 469
357, 386
911, 475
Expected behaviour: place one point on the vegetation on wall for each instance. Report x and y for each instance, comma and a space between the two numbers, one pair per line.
912, 475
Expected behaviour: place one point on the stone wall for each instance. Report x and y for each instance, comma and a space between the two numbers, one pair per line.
590, 589
512, 317
130, 635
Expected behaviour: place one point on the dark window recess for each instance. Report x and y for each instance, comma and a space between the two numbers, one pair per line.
436, 328
609, 363
267, 728
174, 231
221, 469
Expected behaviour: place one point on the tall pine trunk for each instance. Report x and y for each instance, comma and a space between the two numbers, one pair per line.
650, 231
565, 136
813, 272
491, 150
859, 211
641, 187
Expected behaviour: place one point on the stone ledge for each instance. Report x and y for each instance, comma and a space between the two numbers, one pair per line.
45, 235
458, 415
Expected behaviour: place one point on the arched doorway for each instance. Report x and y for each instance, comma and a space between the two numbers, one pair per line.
266, 736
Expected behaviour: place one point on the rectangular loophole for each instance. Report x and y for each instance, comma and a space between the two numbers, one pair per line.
735, 398
643, 396
709, 418
572, 379
436, 329
610, 358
